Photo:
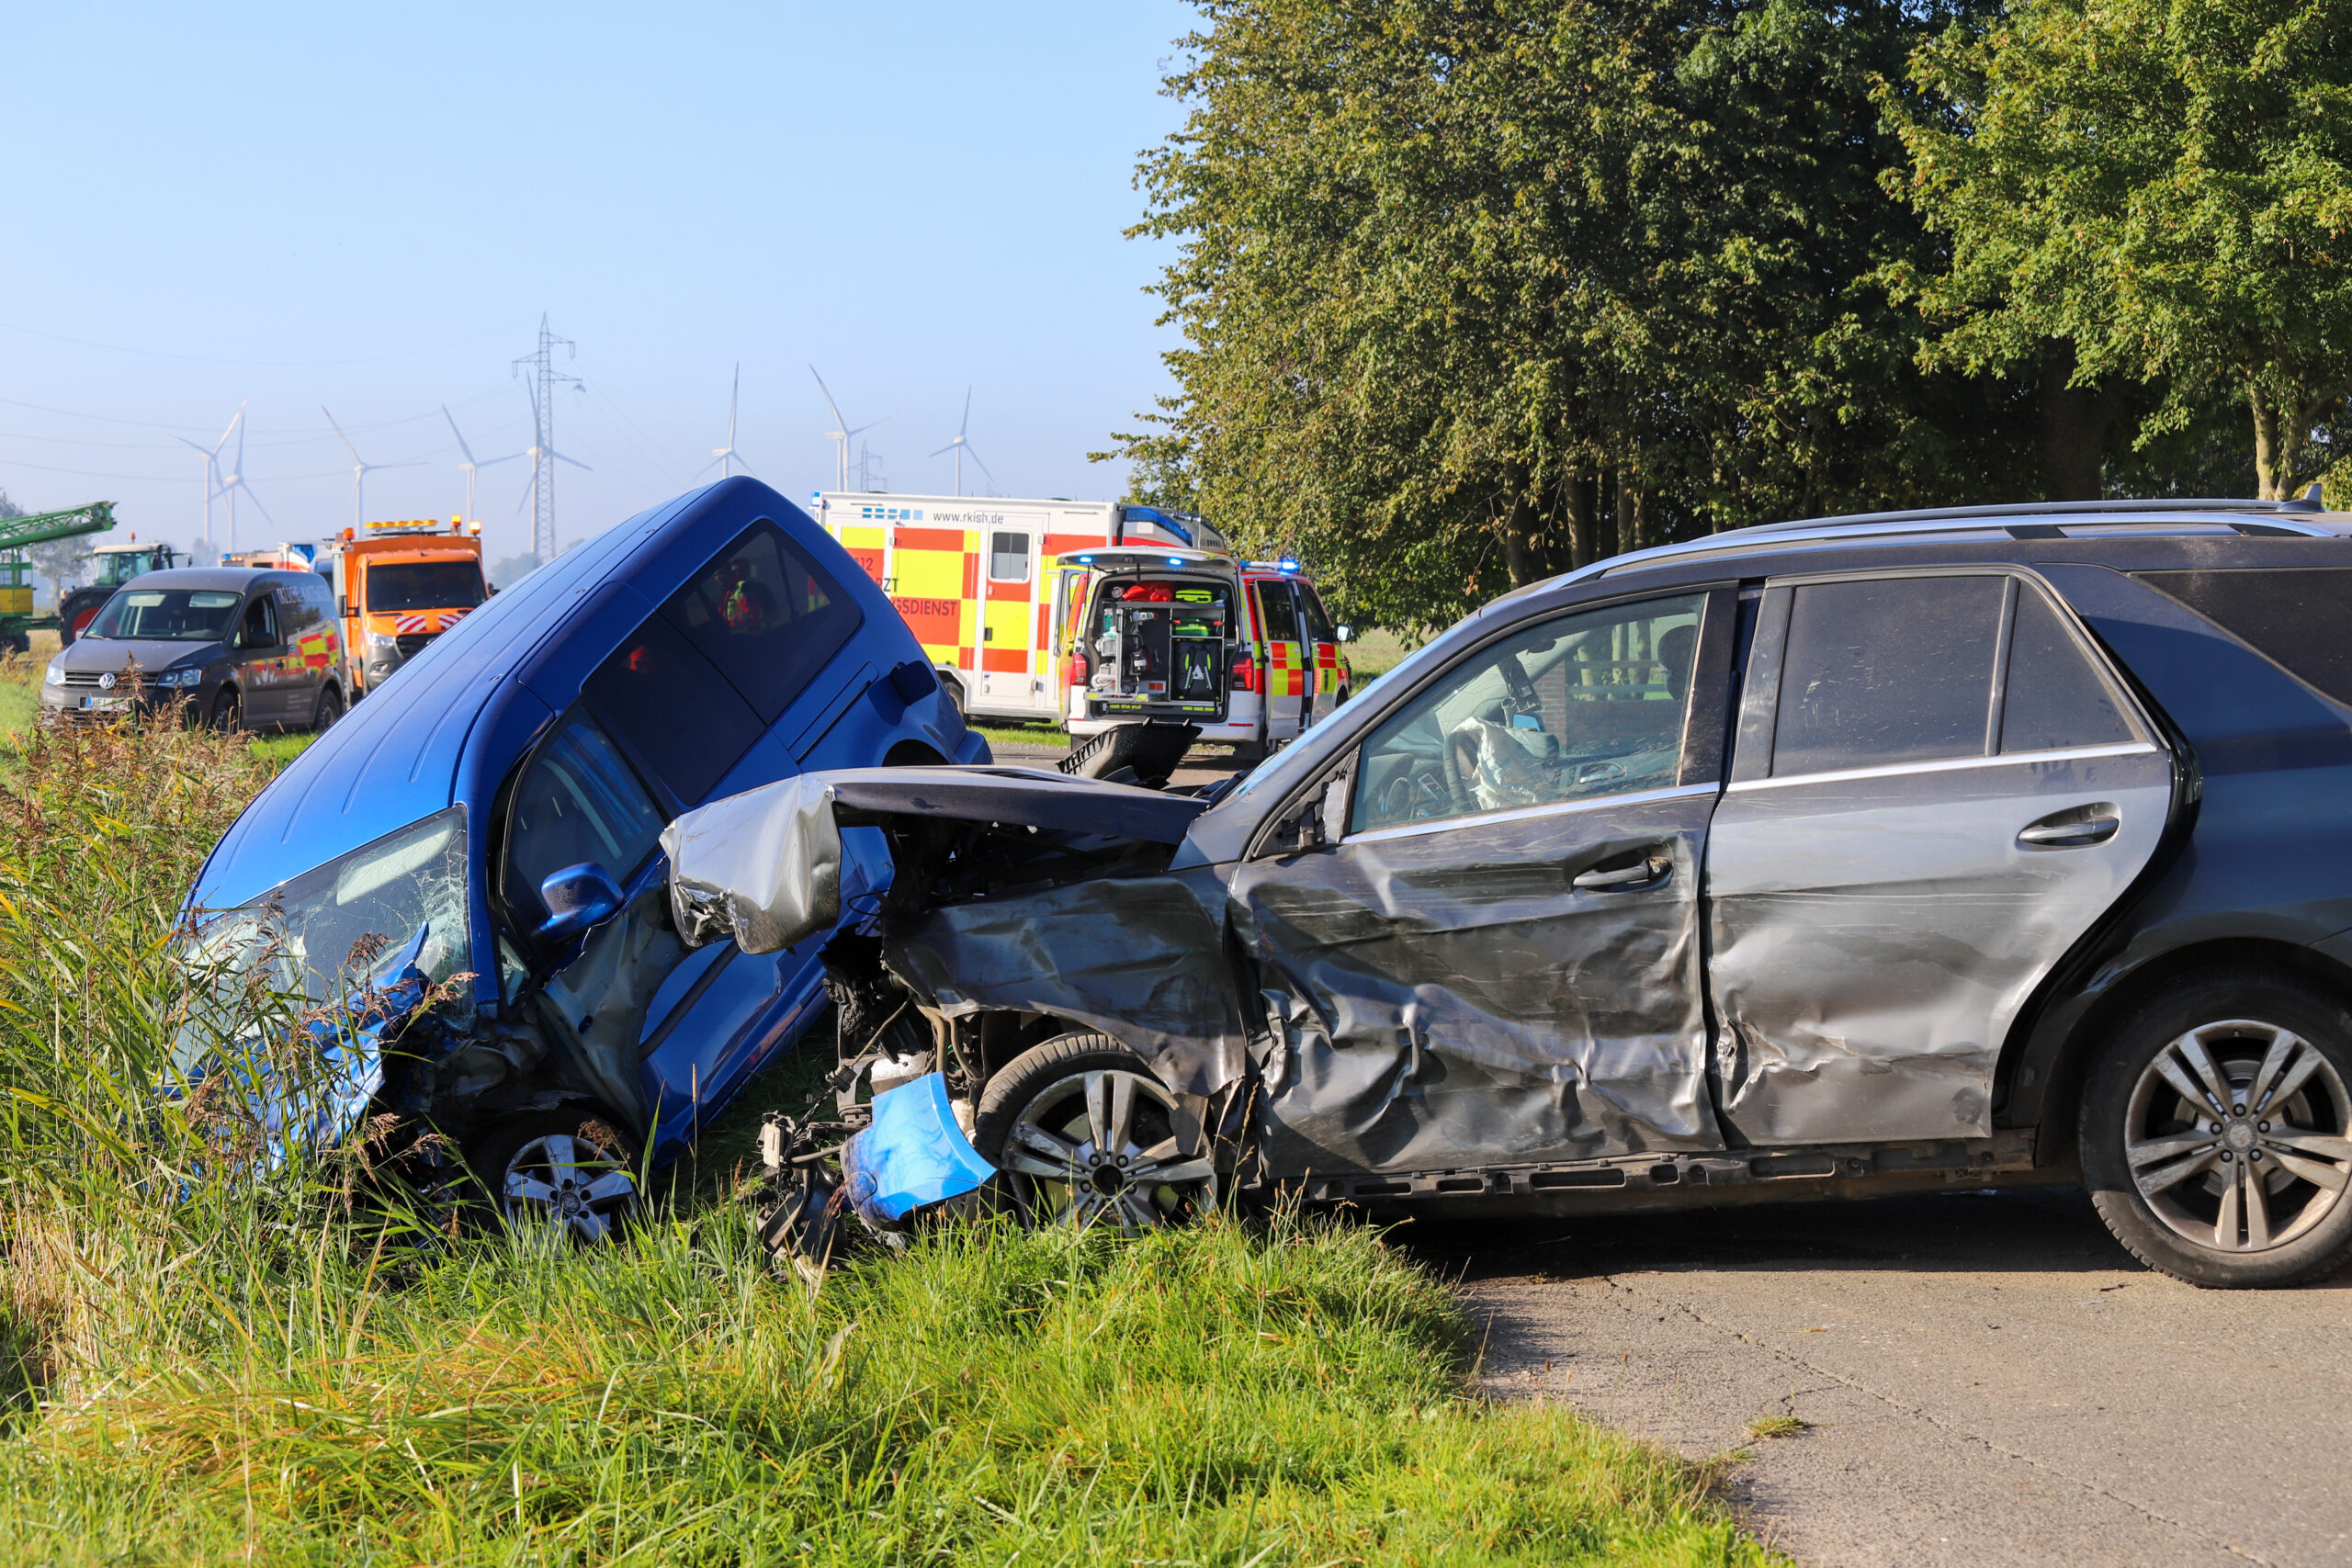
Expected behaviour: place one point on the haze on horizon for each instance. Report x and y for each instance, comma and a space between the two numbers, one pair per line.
370, 212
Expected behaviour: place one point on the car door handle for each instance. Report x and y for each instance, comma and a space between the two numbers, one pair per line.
2079, 833
1639, 872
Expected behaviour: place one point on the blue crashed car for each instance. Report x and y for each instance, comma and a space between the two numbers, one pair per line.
478, 844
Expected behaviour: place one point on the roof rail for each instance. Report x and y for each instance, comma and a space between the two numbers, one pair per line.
2010, 509
2279, 515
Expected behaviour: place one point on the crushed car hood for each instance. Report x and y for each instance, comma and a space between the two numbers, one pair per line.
763, 867
1022, 797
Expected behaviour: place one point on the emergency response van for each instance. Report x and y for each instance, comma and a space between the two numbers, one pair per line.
977, 581
1141, 636
1007, 598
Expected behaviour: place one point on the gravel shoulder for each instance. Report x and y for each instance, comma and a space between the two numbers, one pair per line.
1985, 1380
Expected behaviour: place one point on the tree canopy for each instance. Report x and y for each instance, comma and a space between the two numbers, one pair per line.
2164, 187
1473, 291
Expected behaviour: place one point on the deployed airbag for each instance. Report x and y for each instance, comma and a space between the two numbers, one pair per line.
763, 867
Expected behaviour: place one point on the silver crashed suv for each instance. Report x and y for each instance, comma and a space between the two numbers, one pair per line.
1928, 850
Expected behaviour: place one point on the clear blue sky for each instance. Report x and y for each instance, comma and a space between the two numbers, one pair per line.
368, 209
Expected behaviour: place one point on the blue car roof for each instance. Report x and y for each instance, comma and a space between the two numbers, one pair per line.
394, 759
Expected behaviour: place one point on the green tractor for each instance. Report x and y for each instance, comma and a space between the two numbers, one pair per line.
17, 620
118, 564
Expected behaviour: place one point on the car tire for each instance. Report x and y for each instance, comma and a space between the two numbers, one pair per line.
954, 690
1039, 1119
21, 642
228, 713
572, 1165
2251, 1191
78, 610
330, 710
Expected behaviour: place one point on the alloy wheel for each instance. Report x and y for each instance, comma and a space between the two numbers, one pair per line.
1109, 1147
563, 1180
2239, 1136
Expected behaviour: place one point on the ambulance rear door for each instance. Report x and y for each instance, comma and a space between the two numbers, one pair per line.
1282, 656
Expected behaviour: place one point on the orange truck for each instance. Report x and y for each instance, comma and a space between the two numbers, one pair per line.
400, 585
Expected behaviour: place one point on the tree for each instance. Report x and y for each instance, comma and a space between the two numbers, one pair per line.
2153, 194
1476, 290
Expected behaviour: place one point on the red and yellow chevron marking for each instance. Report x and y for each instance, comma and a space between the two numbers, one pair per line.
426, 621
316, 648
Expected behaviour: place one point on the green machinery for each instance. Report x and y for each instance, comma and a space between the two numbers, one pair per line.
17, 622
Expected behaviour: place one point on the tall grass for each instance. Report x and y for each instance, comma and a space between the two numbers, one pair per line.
275, 1370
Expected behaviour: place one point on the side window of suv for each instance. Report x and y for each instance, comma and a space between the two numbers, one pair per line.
1883, 671
1584, 705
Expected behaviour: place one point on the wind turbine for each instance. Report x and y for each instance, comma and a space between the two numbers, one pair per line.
727, 455
471, 464
961, 445
359, 467
537, 452
212, 485
841, 433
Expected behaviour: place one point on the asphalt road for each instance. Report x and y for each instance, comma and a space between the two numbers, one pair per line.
1987, 1379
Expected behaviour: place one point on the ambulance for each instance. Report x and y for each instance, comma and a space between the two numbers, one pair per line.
1009, 600
1139, 647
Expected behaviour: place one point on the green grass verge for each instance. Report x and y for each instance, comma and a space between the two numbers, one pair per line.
288, 1367
1001, 734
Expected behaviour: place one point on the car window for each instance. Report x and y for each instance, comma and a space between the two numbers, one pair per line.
579, 802
669, 703
1008, 557
2055, 697
166, 615
1580, 706
1318, 622
2302, 619
260, 627
294, 611
1277, 613
424, 585
766, 615
1886, 670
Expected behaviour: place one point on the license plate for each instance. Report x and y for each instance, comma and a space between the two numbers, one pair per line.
106, 705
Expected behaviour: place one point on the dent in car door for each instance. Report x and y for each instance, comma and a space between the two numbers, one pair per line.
1936, 791
1499, 963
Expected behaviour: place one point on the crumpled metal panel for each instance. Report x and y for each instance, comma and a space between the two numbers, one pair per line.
1140, 958
763, 867
1450, 999
914, 1154
1874, 938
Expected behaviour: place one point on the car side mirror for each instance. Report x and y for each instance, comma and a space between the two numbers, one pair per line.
579, 898
342, 610
1343, 633
1321, 818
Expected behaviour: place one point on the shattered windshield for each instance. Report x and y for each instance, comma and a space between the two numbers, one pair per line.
350, 925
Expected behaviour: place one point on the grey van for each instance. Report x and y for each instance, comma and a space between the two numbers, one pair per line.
249, 648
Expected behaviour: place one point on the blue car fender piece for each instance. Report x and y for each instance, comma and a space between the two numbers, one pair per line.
914, 1154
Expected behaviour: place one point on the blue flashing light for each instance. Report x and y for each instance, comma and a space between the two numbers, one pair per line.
1175, 560
1289, 564
1087, 560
